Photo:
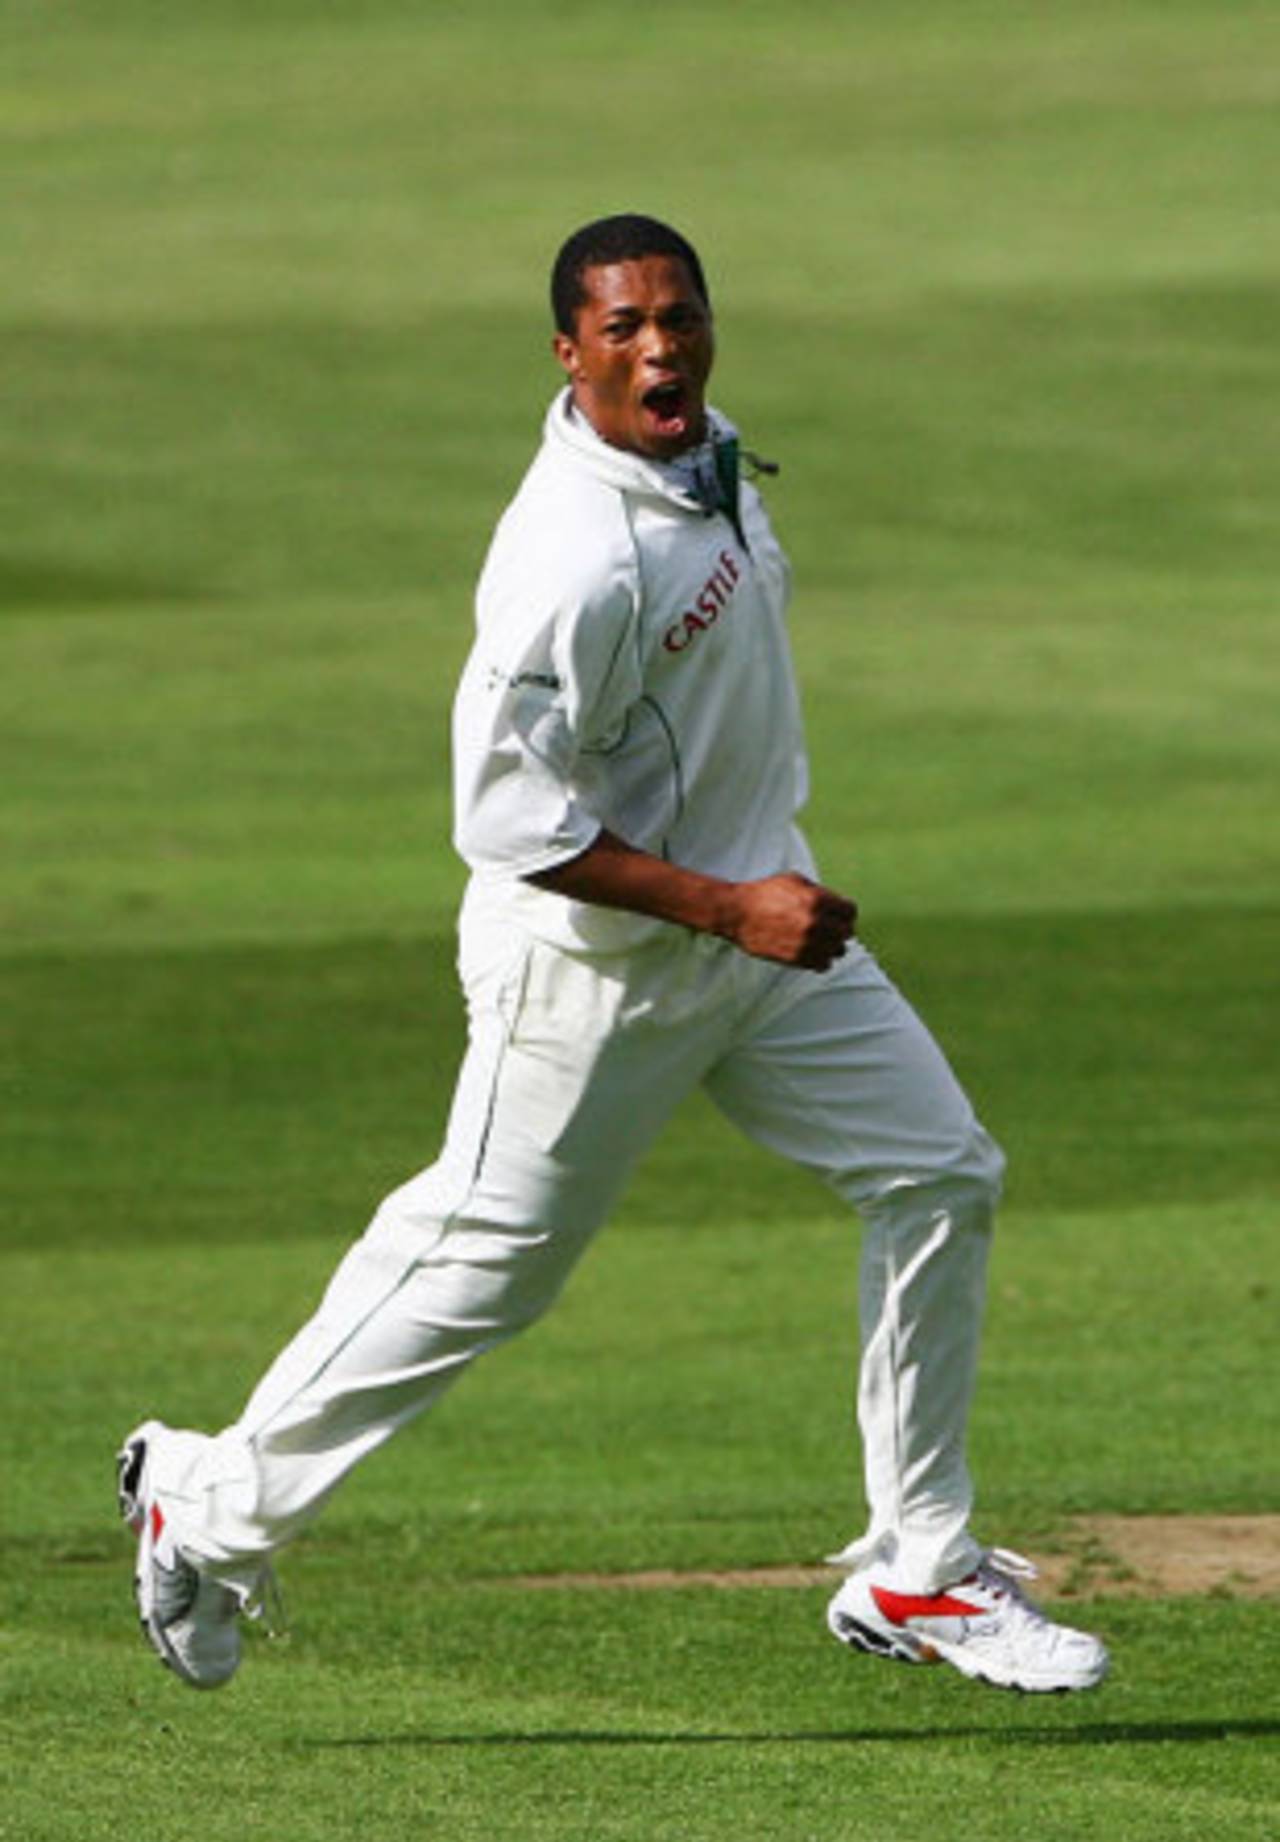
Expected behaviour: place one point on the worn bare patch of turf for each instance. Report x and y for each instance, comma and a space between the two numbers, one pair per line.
1119, 1557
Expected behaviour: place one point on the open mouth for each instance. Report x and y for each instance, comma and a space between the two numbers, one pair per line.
668, 405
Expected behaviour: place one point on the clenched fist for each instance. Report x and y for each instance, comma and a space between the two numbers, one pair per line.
790, 919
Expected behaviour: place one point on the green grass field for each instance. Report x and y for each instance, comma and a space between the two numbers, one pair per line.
997, 286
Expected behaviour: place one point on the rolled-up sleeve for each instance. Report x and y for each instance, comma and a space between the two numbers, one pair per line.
550, 675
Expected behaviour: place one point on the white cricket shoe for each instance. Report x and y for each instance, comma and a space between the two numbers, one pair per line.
191, 1622
984, 1625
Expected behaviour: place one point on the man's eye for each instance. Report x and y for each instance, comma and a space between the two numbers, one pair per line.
619, 329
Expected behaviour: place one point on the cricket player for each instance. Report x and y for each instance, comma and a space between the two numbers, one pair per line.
643, 916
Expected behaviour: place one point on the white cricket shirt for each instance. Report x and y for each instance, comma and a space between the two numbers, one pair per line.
630, 671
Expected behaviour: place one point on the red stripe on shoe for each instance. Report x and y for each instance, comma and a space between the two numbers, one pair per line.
898, 1607
157, 1522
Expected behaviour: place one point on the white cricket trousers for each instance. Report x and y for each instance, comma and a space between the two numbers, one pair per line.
572, 1067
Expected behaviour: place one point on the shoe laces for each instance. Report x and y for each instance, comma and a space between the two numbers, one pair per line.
1005, 1569
1001, 1572
265, 1604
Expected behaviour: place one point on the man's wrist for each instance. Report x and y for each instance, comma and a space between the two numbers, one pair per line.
725, 915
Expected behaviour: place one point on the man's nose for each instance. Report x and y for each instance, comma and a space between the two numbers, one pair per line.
657, 341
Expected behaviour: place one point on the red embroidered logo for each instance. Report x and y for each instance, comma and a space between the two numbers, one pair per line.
713, 597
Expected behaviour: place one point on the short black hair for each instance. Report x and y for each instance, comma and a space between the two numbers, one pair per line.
625, 238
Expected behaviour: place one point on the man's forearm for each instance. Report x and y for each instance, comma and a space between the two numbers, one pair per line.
785, 917
613, 874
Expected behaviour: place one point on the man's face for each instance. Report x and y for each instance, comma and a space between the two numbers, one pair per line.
640, 356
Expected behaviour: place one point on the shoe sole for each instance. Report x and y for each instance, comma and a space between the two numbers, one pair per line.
891, 1646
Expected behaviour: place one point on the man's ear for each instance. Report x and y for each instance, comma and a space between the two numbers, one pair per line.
566, 350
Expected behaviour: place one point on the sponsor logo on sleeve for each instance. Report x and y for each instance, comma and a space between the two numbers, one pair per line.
498, 680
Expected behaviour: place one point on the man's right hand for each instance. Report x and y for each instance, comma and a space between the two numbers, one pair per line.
790, 919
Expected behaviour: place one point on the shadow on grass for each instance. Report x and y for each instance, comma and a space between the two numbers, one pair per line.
28, 584
1093, 1733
